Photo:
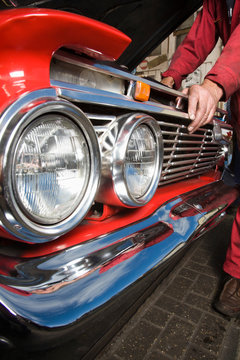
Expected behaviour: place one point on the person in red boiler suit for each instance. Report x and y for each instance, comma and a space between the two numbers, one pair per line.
217, 19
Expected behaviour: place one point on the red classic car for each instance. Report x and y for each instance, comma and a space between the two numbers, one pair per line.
102, 186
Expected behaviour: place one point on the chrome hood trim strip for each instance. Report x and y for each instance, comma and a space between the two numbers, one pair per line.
117, 72
83, 94
59, 289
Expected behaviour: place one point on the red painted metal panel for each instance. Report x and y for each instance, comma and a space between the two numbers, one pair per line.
29, 37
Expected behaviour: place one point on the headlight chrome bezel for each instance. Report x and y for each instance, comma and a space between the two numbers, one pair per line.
50, 144
114, 189
14, 121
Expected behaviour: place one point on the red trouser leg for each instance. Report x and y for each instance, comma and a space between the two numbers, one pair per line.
232, 262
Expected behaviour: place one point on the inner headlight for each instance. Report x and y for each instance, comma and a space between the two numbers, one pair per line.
51, 168
131, 174
141, 157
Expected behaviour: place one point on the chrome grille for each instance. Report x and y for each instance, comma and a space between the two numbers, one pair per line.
185, 155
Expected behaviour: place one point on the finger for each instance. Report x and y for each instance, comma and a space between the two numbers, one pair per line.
211, 108
168, 81
202, 117
194, 126
206, 115
192, 105
185, 91
210, 116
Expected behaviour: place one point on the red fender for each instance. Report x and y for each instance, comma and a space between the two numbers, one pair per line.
29, 37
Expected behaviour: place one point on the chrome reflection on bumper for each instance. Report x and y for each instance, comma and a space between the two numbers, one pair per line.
45, 290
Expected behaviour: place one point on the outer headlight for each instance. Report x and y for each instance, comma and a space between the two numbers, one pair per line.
50, 167
130, 177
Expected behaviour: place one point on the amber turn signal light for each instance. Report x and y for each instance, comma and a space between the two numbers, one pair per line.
142, 91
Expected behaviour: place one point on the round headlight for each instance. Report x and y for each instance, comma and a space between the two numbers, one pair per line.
140, 164
132, 155
51, 168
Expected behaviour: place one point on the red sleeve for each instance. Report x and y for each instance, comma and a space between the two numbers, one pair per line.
196, 46
226, 71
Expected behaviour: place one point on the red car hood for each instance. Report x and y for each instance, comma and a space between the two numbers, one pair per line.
146, 22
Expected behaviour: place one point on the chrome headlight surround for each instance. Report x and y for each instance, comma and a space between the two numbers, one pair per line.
227, 151
115, 189
17, 118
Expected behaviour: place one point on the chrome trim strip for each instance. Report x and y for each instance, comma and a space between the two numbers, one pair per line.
184, 156
184, 134
177, 163
107, 118
114, 71
93, 96
186, 174
182, 168
181, 141
79, 93
213, 146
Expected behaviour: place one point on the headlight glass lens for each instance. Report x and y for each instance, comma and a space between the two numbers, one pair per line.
140, 161
51, 168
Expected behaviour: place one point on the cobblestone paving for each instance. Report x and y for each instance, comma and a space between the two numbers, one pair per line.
178, 322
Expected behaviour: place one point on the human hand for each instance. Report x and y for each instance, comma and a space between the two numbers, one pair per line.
202, 103
168, 81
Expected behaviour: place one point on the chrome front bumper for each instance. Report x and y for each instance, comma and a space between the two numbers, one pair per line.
64, 294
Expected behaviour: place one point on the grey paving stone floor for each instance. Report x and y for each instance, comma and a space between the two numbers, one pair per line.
177, 322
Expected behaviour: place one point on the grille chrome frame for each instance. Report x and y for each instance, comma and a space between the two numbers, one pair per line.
181, 159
